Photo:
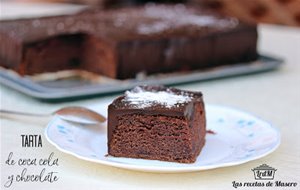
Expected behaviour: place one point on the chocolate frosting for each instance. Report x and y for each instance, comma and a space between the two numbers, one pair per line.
122, 24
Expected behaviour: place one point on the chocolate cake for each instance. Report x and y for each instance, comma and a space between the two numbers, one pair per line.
123, 42
158, 123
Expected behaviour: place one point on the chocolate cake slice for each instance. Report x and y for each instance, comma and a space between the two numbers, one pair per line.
157, 123
124, 42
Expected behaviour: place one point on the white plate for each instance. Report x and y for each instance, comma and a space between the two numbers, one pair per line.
240, 137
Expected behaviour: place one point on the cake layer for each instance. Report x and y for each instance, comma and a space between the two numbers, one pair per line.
155, 137
123, 42
170, 126
58, 53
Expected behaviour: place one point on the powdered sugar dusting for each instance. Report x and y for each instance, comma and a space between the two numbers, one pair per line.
141, 98
178, 17
153, 27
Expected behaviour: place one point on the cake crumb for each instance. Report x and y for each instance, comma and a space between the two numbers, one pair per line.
211, 132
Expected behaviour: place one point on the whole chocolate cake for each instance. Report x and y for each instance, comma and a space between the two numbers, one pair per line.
123, 42
158, 123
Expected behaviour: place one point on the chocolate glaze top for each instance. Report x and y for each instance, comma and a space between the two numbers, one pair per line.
150, 21
156, 100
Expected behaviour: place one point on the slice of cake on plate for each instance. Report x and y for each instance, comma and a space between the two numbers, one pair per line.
157, 123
